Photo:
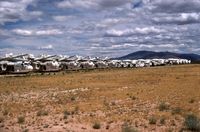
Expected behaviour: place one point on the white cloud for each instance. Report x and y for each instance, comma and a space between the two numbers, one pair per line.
166, 45
129, 32
46, 47
49, 32
92, 4
118, 33
147, 24
62, 18
181, 18
146, 46
77, 4
113, 3
147, 30
196, 49
189, 16
34, 14
111, 22
123, 46
4, 33
25, 32
14, 10
176, 6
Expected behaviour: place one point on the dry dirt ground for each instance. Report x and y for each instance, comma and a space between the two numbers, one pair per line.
143, 99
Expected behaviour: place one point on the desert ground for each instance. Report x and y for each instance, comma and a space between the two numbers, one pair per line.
153, 99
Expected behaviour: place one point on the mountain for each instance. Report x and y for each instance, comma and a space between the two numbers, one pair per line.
160, 55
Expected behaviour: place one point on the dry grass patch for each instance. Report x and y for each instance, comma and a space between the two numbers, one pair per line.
163, 106
115, 95
20, 119
42, 113
96, 125
152, 120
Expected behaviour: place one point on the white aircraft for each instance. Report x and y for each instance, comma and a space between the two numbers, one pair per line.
45, 64
15, 64
86, 63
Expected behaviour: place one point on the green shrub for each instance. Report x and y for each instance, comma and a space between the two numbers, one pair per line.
192, 122
21, 119
191, 101
25, 130
152, 120
133, 97
73, 98
5, 112
66, 112
39, 113
97, 125
46, 126
1, 119
45, 113
42, 113
127, 128
76, 109
162, 120
163, 106
176, 110
65, 117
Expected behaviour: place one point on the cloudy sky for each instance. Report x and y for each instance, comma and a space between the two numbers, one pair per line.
99, 27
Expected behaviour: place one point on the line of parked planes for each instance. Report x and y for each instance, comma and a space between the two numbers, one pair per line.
25, 63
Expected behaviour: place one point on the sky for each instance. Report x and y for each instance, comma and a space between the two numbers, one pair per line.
99, 27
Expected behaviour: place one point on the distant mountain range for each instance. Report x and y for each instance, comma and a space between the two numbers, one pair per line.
160, 55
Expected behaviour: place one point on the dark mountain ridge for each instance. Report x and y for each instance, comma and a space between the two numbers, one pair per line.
160, 55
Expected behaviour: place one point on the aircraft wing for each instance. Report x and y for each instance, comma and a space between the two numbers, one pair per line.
44, 58
12, 58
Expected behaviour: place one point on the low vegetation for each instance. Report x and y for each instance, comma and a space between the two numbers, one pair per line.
42, 113
1, 119
25, 130
66, 113
5, 112
21, 119
176, 110
128, 128
163, 106
76, 109
191, 101
133, 97
73, 98
96, 125
152, 120
192, 122
162, 120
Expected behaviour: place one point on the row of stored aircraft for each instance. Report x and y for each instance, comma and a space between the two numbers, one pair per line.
25, 63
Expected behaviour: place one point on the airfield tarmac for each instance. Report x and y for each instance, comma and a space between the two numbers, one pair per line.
108, 100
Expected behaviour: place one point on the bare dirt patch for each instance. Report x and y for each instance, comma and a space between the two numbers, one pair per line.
114, 99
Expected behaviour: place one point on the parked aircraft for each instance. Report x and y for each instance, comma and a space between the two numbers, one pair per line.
15, 64
45, 64
69, 63
26, 63
86, 63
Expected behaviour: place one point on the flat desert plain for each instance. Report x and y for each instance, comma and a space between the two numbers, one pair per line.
153, 99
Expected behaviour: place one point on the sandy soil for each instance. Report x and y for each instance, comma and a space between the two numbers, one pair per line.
144, 99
